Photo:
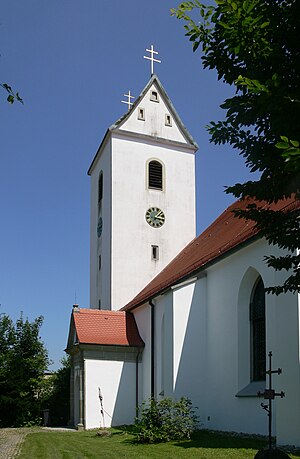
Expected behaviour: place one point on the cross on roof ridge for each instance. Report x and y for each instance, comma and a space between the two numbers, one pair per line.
152, 58
128, 102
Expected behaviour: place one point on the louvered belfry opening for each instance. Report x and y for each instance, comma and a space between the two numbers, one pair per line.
155, 175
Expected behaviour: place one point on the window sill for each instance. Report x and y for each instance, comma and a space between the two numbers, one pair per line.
252, 389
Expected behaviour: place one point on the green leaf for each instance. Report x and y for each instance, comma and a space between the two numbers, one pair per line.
282, 145
226, 26
10, 99
284, 138
196, 45
264, 24
295, 143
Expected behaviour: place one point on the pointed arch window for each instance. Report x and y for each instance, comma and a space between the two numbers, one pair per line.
155, 175
100, 190
258, 332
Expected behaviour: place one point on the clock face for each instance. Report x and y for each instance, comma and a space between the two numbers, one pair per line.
99, 227
155, 217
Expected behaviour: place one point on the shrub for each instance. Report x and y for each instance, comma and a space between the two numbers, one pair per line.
165, 420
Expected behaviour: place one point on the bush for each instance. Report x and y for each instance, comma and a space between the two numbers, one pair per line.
165, 420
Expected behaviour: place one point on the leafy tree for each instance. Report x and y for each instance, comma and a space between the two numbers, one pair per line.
23, 360
253, 45
55, 394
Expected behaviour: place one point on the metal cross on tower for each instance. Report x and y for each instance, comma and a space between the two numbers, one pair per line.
270, 394
128, 102
151, 58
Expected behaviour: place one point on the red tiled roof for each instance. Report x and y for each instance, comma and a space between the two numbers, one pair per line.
224, 234
106, 327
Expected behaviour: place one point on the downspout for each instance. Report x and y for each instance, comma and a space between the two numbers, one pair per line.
152, 348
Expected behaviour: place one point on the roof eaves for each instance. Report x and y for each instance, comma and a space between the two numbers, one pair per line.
184, 130
105, 138
192, 270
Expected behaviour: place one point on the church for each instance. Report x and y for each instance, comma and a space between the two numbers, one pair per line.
172, 314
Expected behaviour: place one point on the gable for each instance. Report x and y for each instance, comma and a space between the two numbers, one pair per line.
149, 118
154, 115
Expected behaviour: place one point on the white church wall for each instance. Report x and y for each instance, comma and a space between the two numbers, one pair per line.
228, 346
284, 343
224, 410
100, 278
116, 380
164, 344
132, 263
189, 330
143, 321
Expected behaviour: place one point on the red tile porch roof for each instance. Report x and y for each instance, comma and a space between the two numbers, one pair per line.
106, 327
225, 234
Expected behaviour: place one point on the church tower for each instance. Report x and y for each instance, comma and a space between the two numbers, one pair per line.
142, 198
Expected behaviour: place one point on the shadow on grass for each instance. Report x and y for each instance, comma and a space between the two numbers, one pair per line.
215, 440
201, 439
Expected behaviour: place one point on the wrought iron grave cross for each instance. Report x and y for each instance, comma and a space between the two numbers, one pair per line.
128, 101
270, 394
151, 58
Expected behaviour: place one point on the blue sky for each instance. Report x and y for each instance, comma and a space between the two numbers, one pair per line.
72, 61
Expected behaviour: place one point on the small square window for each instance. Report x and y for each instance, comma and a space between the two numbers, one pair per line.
154, 96
168, 120
154, 252
141, 114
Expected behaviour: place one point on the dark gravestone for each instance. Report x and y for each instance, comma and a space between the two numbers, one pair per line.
271, 454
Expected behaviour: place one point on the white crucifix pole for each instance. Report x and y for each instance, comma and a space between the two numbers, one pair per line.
128, 102
151, 58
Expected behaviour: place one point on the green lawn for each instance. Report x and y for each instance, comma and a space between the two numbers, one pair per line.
86, 445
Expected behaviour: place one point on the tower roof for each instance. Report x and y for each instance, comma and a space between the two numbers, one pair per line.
123, 124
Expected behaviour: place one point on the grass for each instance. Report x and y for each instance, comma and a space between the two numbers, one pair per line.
87, 445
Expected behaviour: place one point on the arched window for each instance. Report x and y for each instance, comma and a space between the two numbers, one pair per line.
258, 332
100, 190
155, 175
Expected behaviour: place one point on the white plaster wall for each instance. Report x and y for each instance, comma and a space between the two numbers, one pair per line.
228, 371
164, 345
189, 329
100, 280
183, 298
142, 317
202, 345
284, 342
132, 237
117, 382
154, 123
